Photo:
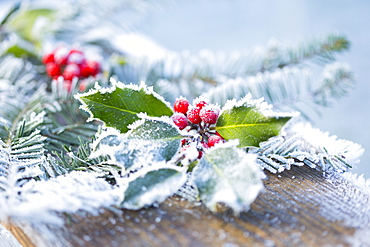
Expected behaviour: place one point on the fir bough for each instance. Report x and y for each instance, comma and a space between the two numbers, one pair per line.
49, 150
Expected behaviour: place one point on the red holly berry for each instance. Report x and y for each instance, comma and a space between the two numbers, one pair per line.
180, 120
181, 105
48, 58
208, 115
200, 104
193, 115
61, 55
94, 67
53, 70
71, 71
205, 145
212, 140
90, 68
76, 56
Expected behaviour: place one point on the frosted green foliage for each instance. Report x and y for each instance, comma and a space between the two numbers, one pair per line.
303, 145
120, 105
207, 65
250, 121
149, 140
40, 201
161, 132
289, 88
226, 174
336, 81
153, 185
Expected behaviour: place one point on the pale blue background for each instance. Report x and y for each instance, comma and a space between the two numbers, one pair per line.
235, 24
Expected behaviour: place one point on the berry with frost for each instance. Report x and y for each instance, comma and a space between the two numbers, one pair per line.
200, 104
180, 120
53, 70
61, 56
76, 57
209, 115
212, 140
193, 115
181, 105
48, 58
71, 71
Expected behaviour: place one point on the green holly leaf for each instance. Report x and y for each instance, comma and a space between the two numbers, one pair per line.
153, 185
20, 51
227, 174
150, 139
250, 121
119, 106
159, 132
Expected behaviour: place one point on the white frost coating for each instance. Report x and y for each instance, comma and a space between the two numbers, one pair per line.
109, 131
40, 200
260, 104
144, 116
307, 146
325, 144
359, 181
132, 151
199, 99
330, 70
160, 191
190, 152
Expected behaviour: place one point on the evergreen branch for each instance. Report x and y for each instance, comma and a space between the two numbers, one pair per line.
289, 89
208, 66
304, 145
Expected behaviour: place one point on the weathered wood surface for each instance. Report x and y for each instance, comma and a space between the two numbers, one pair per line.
298, 208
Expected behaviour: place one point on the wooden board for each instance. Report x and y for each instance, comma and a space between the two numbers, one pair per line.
299, 207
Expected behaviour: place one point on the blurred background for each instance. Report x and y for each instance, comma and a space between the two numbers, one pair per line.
229, 25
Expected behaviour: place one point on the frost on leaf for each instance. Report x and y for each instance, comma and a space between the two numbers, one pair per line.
119, 106
226, 174
153, 185
149, 140
250, 121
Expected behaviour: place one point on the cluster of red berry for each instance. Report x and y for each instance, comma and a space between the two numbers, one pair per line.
69, 64
201, 117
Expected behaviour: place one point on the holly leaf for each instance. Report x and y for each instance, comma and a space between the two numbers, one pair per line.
160, 132
149, 140
227, 174
119, 106
153, 185
250, 121
20, 51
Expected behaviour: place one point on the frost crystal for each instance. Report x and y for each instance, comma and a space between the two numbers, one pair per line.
301, 144
260, 104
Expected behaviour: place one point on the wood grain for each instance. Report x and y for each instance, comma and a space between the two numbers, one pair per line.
299, 207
